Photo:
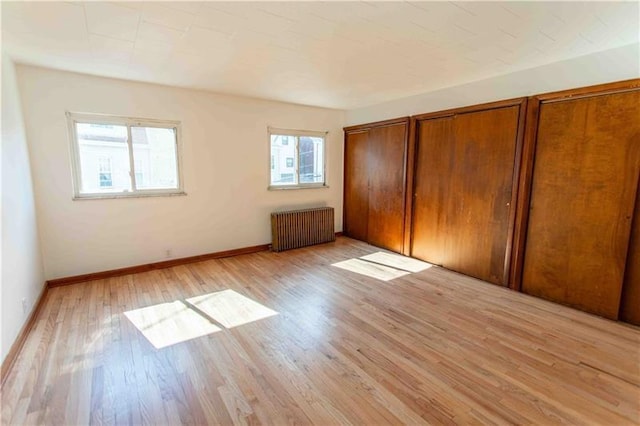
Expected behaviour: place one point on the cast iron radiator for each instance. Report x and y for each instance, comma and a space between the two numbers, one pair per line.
299, 228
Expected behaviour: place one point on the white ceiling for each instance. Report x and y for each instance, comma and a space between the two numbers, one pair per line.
334, 54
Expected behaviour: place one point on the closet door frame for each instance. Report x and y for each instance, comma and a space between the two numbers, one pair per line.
528, 159
405, 167
515, 186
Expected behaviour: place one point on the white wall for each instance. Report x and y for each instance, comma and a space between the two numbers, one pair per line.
225, 159
225, 169
22, 273
607, 66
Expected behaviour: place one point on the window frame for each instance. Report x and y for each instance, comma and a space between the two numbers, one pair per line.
296, 134
128, 122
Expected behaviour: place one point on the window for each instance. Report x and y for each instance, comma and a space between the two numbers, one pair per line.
305, 155
130, 157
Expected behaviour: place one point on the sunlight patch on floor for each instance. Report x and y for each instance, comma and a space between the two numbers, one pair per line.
166, 324
231, 309
397, 261
373, 270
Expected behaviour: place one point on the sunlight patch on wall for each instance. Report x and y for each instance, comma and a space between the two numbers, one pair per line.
231, 309
397, 261
373, 270
166, 324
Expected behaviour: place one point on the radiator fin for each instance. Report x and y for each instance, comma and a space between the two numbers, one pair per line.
300, 228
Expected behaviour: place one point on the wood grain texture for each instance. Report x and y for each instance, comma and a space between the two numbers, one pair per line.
367, 126
584, 182
524, 193
630, 301
409, 186
437, 139
464, 182
433, 347
387, 151
526, 170
356, 185
375, 181
470, 108
588, 91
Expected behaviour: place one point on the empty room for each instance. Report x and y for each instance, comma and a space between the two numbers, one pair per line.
338, 212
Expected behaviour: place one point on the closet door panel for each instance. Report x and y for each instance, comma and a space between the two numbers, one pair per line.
585, 176
630, 303
482, 187
464, 179
386, 186
356, 185
431, 203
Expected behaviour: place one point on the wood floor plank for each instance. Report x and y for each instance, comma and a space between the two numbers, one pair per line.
431, 347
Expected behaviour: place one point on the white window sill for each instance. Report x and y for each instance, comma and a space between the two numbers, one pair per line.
83, 197
288, 187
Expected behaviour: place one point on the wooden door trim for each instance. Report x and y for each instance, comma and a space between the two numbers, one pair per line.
524, 193
528, 160
515, 181
344, 182
405, 180
410, 171
367, 126
470, 108
589, 91
625, 310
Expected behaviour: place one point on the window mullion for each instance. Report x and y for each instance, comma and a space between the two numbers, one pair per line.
177, 151
76, 154
132, 172
297, 160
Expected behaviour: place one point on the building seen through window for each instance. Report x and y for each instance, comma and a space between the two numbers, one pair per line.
106, 163
297, 160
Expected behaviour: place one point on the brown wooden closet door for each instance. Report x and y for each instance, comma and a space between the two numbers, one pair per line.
585, 175
433, 166
463, 185
386, 186
356, 185
630, 303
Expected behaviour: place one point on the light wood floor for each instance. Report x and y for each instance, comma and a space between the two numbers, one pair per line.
430, 347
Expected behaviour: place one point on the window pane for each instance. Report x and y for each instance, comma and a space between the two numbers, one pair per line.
106, 177
154, 157
311, 159
282, 171
104, 158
